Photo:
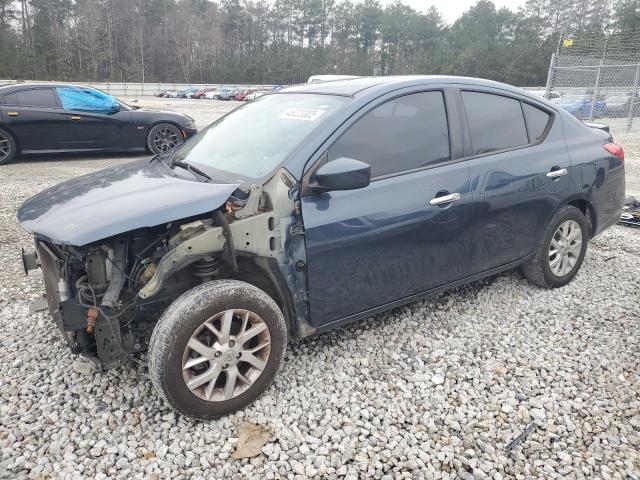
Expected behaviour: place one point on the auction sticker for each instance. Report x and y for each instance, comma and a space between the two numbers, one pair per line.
306, 114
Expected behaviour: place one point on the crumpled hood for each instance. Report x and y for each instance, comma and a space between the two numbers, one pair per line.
116, 200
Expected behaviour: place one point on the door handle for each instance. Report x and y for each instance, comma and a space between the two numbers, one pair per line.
452, 197
12, 114
557, 173
75, 117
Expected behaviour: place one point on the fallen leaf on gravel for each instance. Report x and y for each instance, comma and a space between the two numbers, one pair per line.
149, 455
500, 370
251, 438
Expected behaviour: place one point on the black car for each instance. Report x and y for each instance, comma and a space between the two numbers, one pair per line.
48, 118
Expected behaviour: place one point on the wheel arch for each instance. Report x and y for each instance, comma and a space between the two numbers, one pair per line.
6, 128
586, 207
263, 273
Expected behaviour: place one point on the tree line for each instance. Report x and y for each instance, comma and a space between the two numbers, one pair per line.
286, 41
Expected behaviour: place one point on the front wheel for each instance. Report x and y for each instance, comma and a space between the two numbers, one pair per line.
164, 137
561, 251
217, 348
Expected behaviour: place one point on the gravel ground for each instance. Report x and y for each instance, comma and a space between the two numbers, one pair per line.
436, 389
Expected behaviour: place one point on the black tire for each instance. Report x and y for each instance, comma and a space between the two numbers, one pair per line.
172, 134
8, 147
538, 269
187, 314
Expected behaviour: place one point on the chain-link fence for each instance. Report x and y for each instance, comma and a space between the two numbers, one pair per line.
596, 77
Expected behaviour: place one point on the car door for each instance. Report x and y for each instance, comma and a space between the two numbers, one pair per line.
94, 122
35, 117
409, 230
519, 171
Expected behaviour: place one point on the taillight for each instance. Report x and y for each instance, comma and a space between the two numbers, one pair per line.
615, 150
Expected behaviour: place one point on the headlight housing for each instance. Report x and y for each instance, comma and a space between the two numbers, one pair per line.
189, 122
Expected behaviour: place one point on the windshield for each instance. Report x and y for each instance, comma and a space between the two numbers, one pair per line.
253, 140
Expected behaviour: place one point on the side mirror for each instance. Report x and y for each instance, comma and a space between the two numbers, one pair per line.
342, 174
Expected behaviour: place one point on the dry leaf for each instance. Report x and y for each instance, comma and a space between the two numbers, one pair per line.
251, 438
149, 455
500, 370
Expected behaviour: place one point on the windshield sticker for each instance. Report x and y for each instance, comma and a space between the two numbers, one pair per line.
307, 114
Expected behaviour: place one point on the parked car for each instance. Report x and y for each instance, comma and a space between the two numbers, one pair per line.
619, 105
229, 94
242, 93
187, 92
254, 95
552, 95
218, 93
202, 92
349, 198
50, 118
580, 106
171, 94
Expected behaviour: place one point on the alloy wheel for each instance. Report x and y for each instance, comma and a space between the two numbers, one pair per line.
5, 147
226, 354
166, 138
565, 248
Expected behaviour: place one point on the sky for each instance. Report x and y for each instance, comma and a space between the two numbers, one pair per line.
452, 9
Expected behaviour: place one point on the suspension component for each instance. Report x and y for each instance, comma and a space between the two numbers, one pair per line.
206, 268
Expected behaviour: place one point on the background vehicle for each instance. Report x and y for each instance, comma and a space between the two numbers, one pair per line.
216, 94
202, 92
619, 105
48, 118
229, 94
580, 106
187, 92
332, 210
243, 92
254, 95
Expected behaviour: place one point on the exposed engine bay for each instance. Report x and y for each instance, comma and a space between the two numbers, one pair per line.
107, 296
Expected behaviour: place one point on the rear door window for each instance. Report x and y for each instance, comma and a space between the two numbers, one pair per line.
495, 122
537, 121
42, 97
403, 134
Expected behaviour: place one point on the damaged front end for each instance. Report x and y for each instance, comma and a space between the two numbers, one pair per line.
106, 296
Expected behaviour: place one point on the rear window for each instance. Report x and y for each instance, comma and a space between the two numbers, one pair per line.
537, 121
495, 122
43, 97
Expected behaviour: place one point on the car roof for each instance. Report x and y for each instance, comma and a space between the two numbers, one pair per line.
30, 86
364, 85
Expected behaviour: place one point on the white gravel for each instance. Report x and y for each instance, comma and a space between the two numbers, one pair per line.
436, 389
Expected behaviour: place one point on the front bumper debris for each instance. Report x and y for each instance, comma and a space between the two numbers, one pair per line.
630, 213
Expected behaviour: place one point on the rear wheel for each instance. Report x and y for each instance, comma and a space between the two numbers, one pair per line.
217, 348
164, 137
8, 147
561, 252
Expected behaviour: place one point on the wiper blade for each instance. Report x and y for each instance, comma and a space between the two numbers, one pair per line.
190, 168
